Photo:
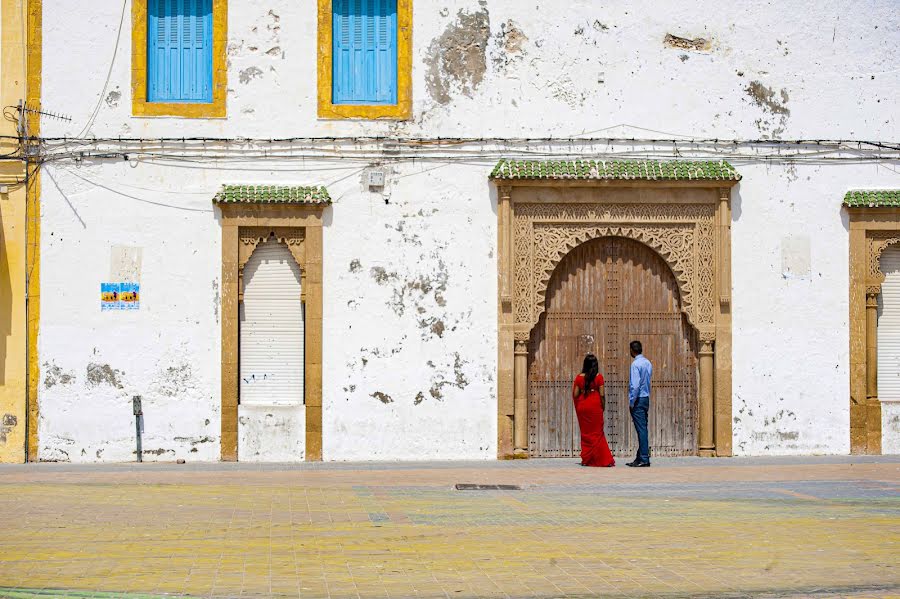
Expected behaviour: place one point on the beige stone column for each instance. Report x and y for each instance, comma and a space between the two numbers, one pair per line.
859, 269
722, 400
521, 398
873, 405
871, 343
230, 341
313, 350
706, 440
724, 228
505, 242
506, 331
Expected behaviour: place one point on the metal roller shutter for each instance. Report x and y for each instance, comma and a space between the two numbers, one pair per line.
889, 327
271, 361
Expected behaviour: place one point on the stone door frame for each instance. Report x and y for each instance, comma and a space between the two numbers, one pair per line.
244, 227
872, 230
687, 222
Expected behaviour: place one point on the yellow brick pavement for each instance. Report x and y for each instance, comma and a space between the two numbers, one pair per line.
793, 529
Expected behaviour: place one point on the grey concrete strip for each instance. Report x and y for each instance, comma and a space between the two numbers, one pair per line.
45, 467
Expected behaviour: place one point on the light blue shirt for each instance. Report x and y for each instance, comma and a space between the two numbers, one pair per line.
639, 386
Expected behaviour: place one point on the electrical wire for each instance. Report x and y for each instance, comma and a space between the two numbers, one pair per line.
426, 141
132, 197
214, 160
112, 63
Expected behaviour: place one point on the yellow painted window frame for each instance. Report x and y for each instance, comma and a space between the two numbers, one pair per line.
139, 104
402, 110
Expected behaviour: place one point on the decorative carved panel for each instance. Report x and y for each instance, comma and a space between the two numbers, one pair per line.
683, 234
290, 236
252, 237
878, 241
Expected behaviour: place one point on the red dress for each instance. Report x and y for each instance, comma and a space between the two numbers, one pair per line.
589, 408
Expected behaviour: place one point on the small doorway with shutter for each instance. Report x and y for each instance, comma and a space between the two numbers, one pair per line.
271, 415
874, 301
271, 311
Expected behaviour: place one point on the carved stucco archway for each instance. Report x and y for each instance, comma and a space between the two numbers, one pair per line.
681, 234
687, 224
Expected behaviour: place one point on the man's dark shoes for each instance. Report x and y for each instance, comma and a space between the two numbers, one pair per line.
638, 464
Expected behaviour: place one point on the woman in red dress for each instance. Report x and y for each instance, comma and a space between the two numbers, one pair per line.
587, 393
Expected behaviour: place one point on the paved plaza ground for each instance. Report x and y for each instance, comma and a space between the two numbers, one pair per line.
770, 527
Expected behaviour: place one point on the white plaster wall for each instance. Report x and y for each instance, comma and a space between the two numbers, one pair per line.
890, 427
396, 385
790, 307
578, 67
410, 320
93, 362
409, 348
271, 433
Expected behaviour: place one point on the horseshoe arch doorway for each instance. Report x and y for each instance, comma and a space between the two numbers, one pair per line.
603, 294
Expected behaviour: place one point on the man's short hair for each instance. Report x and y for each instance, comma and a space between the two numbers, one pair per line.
636, 347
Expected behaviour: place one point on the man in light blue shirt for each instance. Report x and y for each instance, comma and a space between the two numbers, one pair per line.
639, 401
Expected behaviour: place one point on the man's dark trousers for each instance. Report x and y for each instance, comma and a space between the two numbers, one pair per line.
639, 416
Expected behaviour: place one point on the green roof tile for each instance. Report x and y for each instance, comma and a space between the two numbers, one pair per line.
647, 170
872, 198
271, 194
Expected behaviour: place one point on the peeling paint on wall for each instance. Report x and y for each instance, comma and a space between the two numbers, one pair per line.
103, 374
196, 441
590, 32
54, 375
7, 424
249, 74
457, 59
697, 44
509, 45
413, 291
113, 97
890, 427
174, 380
774, 106
382, 397
217, 299
439, 382
767, 99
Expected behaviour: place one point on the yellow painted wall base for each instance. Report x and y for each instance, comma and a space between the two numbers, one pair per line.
13, 234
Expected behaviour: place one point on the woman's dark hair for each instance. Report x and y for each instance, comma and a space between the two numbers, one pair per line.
590, 369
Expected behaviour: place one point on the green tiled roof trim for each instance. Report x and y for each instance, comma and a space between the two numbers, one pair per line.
272, 194
874, 198
645, 170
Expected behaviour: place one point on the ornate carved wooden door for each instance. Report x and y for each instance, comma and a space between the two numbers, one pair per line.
604, 294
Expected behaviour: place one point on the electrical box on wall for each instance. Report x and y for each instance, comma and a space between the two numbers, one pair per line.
376, 178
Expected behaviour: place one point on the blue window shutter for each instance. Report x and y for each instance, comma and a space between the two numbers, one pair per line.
179, 51
341, 51
385, 49
364, 60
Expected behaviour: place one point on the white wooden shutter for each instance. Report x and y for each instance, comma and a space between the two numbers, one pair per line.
889, 327
271, 361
